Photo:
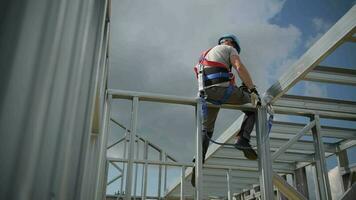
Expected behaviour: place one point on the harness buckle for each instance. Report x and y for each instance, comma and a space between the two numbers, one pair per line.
231, 76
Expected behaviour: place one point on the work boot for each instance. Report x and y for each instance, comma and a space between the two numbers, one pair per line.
192, 181
243, 144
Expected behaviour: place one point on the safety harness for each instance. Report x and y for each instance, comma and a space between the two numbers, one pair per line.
214, 73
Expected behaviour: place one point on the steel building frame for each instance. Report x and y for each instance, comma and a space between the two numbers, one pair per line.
56, 110
282, 152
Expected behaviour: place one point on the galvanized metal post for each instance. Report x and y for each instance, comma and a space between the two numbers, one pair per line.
159, 176
144, 178
228, 180
102, 151
198, 153
182, 177
264, 161
123, 164
301, 181
131, 148
343, 163
136, 165
320, 163
165, 176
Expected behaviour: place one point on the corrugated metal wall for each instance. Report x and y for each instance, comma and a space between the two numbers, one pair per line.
53, 66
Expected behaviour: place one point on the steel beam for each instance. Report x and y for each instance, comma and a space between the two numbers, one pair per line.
320, 163
233, 179
234, 173
289, 128
306, 146
321, 49
286, 189
247, 172
278, 166
317, 103
264, 161
279, 107
132, 134
171, 99
288, 157
345, 145
309, 112
332, 75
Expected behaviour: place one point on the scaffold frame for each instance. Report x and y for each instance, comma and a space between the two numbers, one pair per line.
275, 158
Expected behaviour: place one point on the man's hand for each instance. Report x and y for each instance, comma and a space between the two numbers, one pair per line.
255, 97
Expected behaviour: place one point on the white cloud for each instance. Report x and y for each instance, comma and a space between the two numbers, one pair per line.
313, 89
320, 26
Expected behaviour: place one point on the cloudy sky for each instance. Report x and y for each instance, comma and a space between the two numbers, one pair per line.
156, 43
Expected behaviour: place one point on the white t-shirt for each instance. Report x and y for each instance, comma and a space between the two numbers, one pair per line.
221, 53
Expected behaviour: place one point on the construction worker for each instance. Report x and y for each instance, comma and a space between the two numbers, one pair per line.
220, 88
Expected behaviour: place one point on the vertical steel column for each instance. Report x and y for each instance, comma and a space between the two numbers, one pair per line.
301, 182
228, 180
182, 177
123, 164
137, 142
144, 178
343, 163
264, 161
131, 148
198, 153
159, 175
100, 185
320, 163
165, 175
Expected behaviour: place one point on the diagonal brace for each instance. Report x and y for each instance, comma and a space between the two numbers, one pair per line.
293, 140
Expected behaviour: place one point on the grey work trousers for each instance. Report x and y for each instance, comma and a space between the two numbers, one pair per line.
238, 97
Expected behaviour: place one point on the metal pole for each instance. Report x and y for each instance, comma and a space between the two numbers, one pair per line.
102, 146
264, 161
320, 163
159, 176
228, 178
131, 148
343, 163
123, 164
165, 175
301, 181
182, 175
198, 153
145, 166
136, 165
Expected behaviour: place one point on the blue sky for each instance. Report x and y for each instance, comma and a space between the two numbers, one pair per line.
156, 43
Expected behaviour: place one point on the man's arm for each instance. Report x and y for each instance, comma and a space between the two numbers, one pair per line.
242, 71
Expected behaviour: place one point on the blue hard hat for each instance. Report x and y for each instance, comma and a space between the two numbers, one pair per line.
234, 38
